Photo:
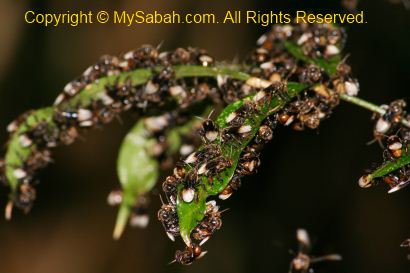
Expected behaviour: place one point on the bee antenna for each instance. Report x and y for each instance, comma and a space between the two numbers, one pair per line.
160, 198
345, 58
222, 211
171, 262
210, 114
200, 118
160, 45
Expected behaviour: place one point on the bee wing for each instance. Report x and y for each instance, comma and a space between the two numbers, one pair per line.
330, 257
304, 240
399, 186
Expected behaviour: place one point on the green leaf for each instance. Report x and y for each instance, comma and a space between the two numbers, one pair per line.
388, 167
137, 171
329, 65
190, 214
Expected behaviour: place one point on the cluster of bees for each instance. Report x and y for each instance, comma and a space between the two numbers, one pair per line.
271, 67
211, 161
271, 64
394, 138
115, 97
271, 61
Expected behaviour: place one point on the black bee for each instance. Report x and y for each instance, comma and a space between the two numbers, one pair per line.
311, 74
214, 166
25, 197
168, 216
15, 124
209, 131
248, 163
169, 186
302, 261
189, 255
209, 224
3, 178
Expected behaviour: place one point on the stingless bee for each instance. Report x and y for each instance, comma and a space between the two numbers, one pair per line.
302, 261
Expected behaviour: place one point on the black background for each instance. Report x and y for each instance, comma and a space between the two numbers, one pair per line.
307, 179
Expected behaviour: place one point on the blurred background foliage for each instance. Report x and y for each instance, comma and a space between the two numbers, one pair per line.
69, 229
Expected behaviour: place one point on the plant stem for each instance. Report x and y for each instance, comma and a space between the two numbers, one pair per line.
369, 106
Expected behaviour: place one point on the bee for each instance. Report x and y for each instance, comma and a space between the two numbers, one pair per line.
38, 159
214, 166
15, 124
169, 186
107, 65
190, 181
179, 170
43, 135
397, 180
264, 134
139, 213
209, 131
209, 224
189, 255
394, 148
208, 152
302, 261
25, 197
248, 163
145, 56
3, 177
311, 74
168, 216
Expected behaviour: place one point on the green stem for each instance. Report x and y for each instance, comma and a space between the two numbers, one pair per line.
369, 106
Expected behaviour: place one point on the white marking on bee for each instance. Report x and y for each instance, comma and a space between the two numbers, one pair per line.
106, 99
211, 135
290, 120
203, 253
114, 198
140, 221
395, 146
84, 115
204, 241
177, 90
19, 173
206, 60
171, 237
244, 129
352, 88
303, 237
221, 80
266, 65
88, 71
258, 82
86, 123
25, 141
12, 127
60, 98
70, 90
191, 158
151, 87
202, 169
262, 39
231, 117
382, 126
303, 38
365, 182
186, 149
129, 55
332, 50
224, 196
188, 195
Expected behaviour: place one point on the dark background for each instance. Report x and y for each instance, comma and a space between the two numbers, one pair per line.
307, 179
